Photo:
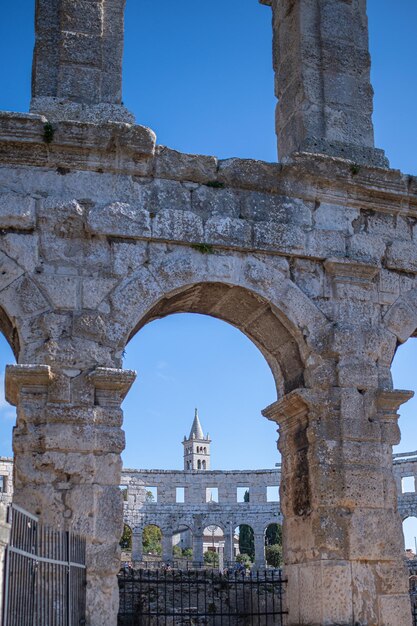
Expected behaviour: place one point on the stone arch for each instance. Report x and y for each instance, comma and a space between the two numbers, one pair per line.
249, 546
272, 309
179, 529
411, 515
283, 346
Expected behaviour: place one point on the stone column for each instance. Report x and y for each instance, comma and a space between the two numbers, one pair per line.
198, 556
137, 546
166, 546
67, 470
322, 68
342, 532
259, 538
229, 553
77, 62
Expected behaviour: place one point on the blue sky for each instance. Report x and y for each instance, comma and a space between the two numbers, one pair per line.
199, 74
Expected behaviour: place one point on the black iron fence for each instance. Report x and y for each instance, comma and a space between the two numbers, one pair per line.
172, 597
44, 575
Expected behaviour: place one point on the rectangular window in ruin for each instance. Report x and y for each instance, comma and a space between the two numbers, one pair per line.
272, 494
242, 494
180, 495
408, 484
151, 494
3, 484
212, 494
123, 490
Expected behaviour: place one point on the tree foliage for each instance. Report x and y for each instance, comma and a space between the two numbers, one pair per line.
244, 559
126, 540
152, 537
246, 541
273, 535
211, 558
273, 555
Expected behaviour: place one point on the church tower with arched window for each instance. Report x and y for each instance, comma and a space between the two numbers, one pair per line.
196, 447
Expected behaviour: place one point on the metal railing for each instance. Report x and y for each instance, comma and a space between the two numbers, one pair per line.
157, 598
45, 576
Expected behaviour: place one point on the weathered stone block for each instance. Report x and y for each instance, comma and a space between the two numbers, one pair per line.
119, 219
17, 211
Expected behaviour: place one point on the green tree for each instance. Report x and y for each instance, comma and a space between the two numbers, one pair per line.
273, 555
126, 540
244, 559
211, 558
246, 541
149, 497
177, 552
187, 553
273, 535
152, 537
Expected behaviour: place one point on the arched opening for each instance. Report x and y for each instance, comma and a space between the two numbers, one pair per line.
281, 343
213, 545
273, 545
246, 544
185, 352
126, 541
152, 543
9, 348
410, 536
182, 545
405, 454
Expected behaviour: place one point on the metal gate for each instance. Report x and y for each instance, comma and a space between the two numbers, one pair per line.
44, 574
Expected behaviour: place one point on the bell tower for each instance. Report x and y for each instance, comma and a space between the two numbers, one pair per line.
196, 447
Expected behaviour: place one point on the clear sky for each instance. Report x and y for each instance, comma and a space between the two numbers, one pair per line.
200, 74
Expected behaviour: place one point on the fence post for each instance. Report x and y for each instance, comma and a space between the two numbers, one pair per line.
4, 540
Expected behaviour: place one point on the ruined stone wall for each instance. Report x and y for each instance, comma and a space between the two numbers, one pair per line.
195, 512
405, 466
314, 259
6, 472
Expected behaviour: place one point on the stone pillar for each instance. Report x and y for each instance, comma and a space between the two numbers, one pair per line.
322, 68
259, 538
166, 546
198, 556
342, 532
229, 552
137, 546
77, 62
67, 470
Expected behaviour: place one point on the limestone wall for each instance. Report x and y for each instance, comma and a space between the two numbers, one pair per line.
6, 474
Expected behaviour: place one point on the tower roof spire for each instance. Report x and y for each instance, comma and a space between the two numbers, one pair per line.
196, 431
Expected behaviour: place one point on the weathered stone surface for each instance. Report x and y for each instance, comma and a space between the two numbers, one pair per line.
17, 212
313, 259
119, 219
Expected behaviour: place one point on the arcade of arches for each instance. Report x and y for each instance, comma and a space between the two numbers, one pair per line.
314, 259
